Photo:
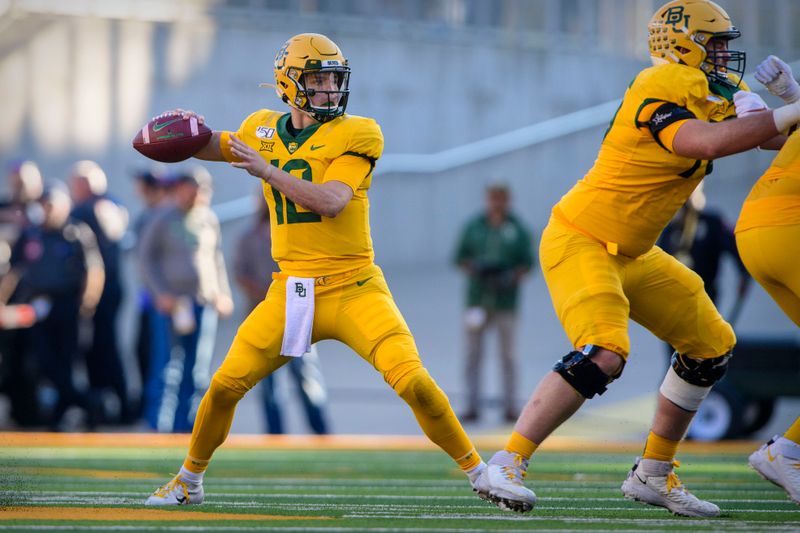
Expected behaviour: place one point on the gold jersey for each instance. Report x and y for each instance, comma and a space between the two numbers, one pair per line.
637, 182
775, 198
345, 149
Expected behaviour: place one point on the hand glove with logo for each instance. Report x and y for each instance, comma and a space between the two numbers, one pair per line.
777, 77
747, 102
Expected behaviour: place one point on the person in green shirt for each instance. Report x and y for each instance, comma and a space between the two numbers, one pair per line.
495, 252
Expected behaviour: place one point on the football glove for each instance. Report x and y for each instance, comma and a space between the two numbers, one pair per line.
747, 102
777, 77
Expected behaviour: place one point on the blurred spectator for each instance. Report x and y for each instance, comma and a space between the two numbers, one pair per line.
253, 267
495, 251
108, 220
18, 373
151, 185
699, 238
58, 260
25, 187
182, 266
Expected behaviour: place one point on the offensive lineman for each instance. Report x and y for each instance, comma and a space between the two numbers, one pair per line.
316, 164
602, 268
768, 238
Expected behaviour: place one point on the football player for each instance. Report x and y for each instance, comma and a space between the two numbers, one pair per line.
316, 165
768, 237
602, 268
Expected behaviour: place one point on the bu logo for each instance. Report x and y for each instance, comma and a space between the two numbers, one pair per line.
674, 15
300, 289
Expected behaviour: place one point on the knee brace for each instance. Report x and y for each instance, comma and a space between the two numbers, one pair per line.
688, 381
700, 372
578, 369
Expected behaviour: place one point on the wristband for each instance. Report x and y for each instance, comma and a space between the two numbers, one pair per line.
786, 116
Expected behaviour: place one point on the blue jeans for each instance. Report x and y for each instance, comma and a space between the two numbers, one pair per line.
179, 370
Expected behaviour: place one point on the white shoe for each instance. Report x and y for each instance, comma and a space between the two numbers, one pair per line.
177, 492
503, 481
653, 482
480, 482
778, 461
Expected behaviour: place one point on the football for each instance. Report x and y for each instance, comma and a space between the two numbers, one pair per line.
170, 138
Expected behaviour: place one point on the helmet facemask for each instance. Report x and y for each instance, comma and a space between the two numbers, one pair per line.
718, 64
687, 32
322, 92
312, 76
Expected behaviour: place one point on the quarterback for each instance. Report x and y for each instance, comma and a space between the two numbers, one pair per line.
768, 238
316, 165
602, 267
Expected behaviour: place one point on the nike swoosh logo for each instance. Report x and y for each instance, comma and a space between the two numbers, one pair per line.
181, 499
363, 281
316, 147
159, 127
769, 455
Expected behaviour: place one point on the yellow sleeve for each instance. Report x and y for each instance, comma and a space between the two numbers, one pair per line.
226, 135
225, 147
362, 149
667, 135
349, 169
366, 139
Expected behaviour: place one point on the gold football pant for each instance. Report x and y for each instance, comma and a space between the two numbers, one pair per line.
595, 293
357, 309
770, 254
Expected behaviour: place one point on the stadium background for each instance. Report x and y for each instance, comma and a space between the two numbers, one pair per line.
78, 78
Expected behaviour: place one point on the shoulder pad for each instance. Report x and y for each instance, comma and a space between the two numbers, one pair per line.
258, 118
674, 83
364, 136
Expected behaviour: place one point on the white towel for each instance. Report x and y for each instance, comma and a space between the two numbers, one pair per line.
299, 316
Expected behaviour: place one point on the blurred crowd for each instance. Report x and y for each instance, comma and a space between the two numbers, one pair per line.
61, 291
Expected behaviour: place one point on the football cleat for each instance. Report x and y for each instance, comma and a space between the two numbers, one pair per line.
480, 482
504, 482
655, 483
177, 492
778, 461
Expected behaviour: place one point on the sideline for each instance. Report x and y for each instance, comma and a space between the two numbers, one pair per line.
341, 442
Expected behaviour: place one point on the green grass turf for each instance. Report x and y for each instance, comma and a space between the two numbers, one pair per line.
379, 491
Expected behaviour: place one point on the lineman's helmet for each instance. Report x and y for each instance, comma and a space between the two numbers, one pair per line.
680, 31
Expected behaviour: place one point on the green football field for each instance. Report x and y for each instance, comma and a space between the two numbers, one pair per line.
89, 486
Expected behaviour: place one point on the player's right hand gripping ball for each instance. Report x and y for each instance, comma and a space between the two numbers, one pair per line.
170, 138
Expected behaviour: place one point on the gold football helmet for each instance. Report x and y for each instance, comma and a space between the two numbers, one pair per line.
308, 56
680, 32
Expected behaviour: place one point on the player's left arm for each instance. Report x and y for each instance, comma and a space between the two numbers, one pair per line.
326, 199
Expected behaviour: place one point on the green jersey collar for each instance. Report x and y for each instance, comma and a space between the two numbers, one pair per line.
302, 136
